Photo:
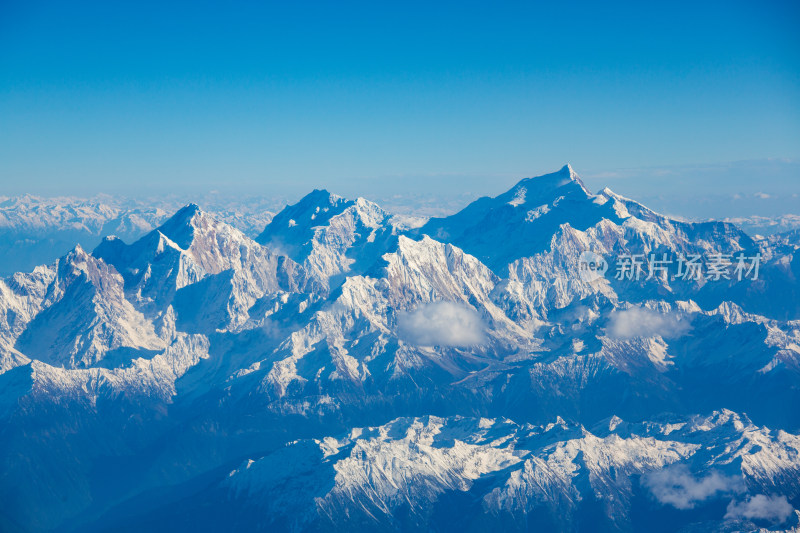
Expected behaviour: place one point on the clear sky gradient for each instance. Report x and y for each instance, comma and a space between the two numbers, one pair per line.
376, 96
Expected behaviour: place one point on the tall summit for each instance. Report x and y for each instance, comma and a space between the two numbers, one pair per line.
330, 236
521, 221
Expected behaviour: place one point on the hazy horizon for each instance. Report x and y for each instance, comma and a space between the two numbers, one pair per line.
368, 100
691, 191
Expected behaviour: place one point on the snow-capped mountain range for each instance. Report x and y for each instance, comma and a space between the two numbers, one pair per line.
338, 369
35, 230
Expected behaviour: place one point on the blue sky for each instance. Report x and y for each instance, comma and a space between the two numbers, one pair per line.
386, 97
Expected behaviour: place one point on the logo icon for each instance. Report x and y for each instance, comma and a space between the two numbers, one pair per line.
591, 266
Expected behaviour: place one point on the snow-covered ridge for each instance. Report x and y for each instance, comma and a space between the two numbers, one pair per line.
509, 469
36, 230
351, 359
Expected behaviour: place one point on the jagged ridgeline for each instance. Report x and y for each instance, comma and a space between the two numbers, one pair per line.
338, 371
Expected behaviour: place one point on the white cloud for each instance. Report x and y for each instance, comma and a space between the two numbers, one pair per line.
676, 486
441, 324
643, 322
773, 508
762, 195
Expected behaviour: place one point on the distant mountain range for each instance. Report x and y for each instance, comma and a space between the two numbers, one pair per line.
336, 368
36, 230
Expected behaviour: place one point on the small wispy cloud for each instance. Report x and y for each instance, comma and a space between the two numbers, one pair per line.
762, 195
678, 487
441, 324
603, 175
761, 507
643, 322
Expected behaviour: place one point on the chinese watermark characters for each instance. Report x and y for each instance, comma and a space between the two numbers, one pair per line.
691, 267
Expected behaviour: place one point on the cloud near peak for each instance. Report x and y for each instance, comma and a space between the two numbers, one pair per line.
761, 507
643, 322
678, 487
441, 324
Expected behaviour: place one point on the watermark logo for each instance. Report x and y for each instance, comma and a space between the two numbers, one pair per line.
591, 266
692, 267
